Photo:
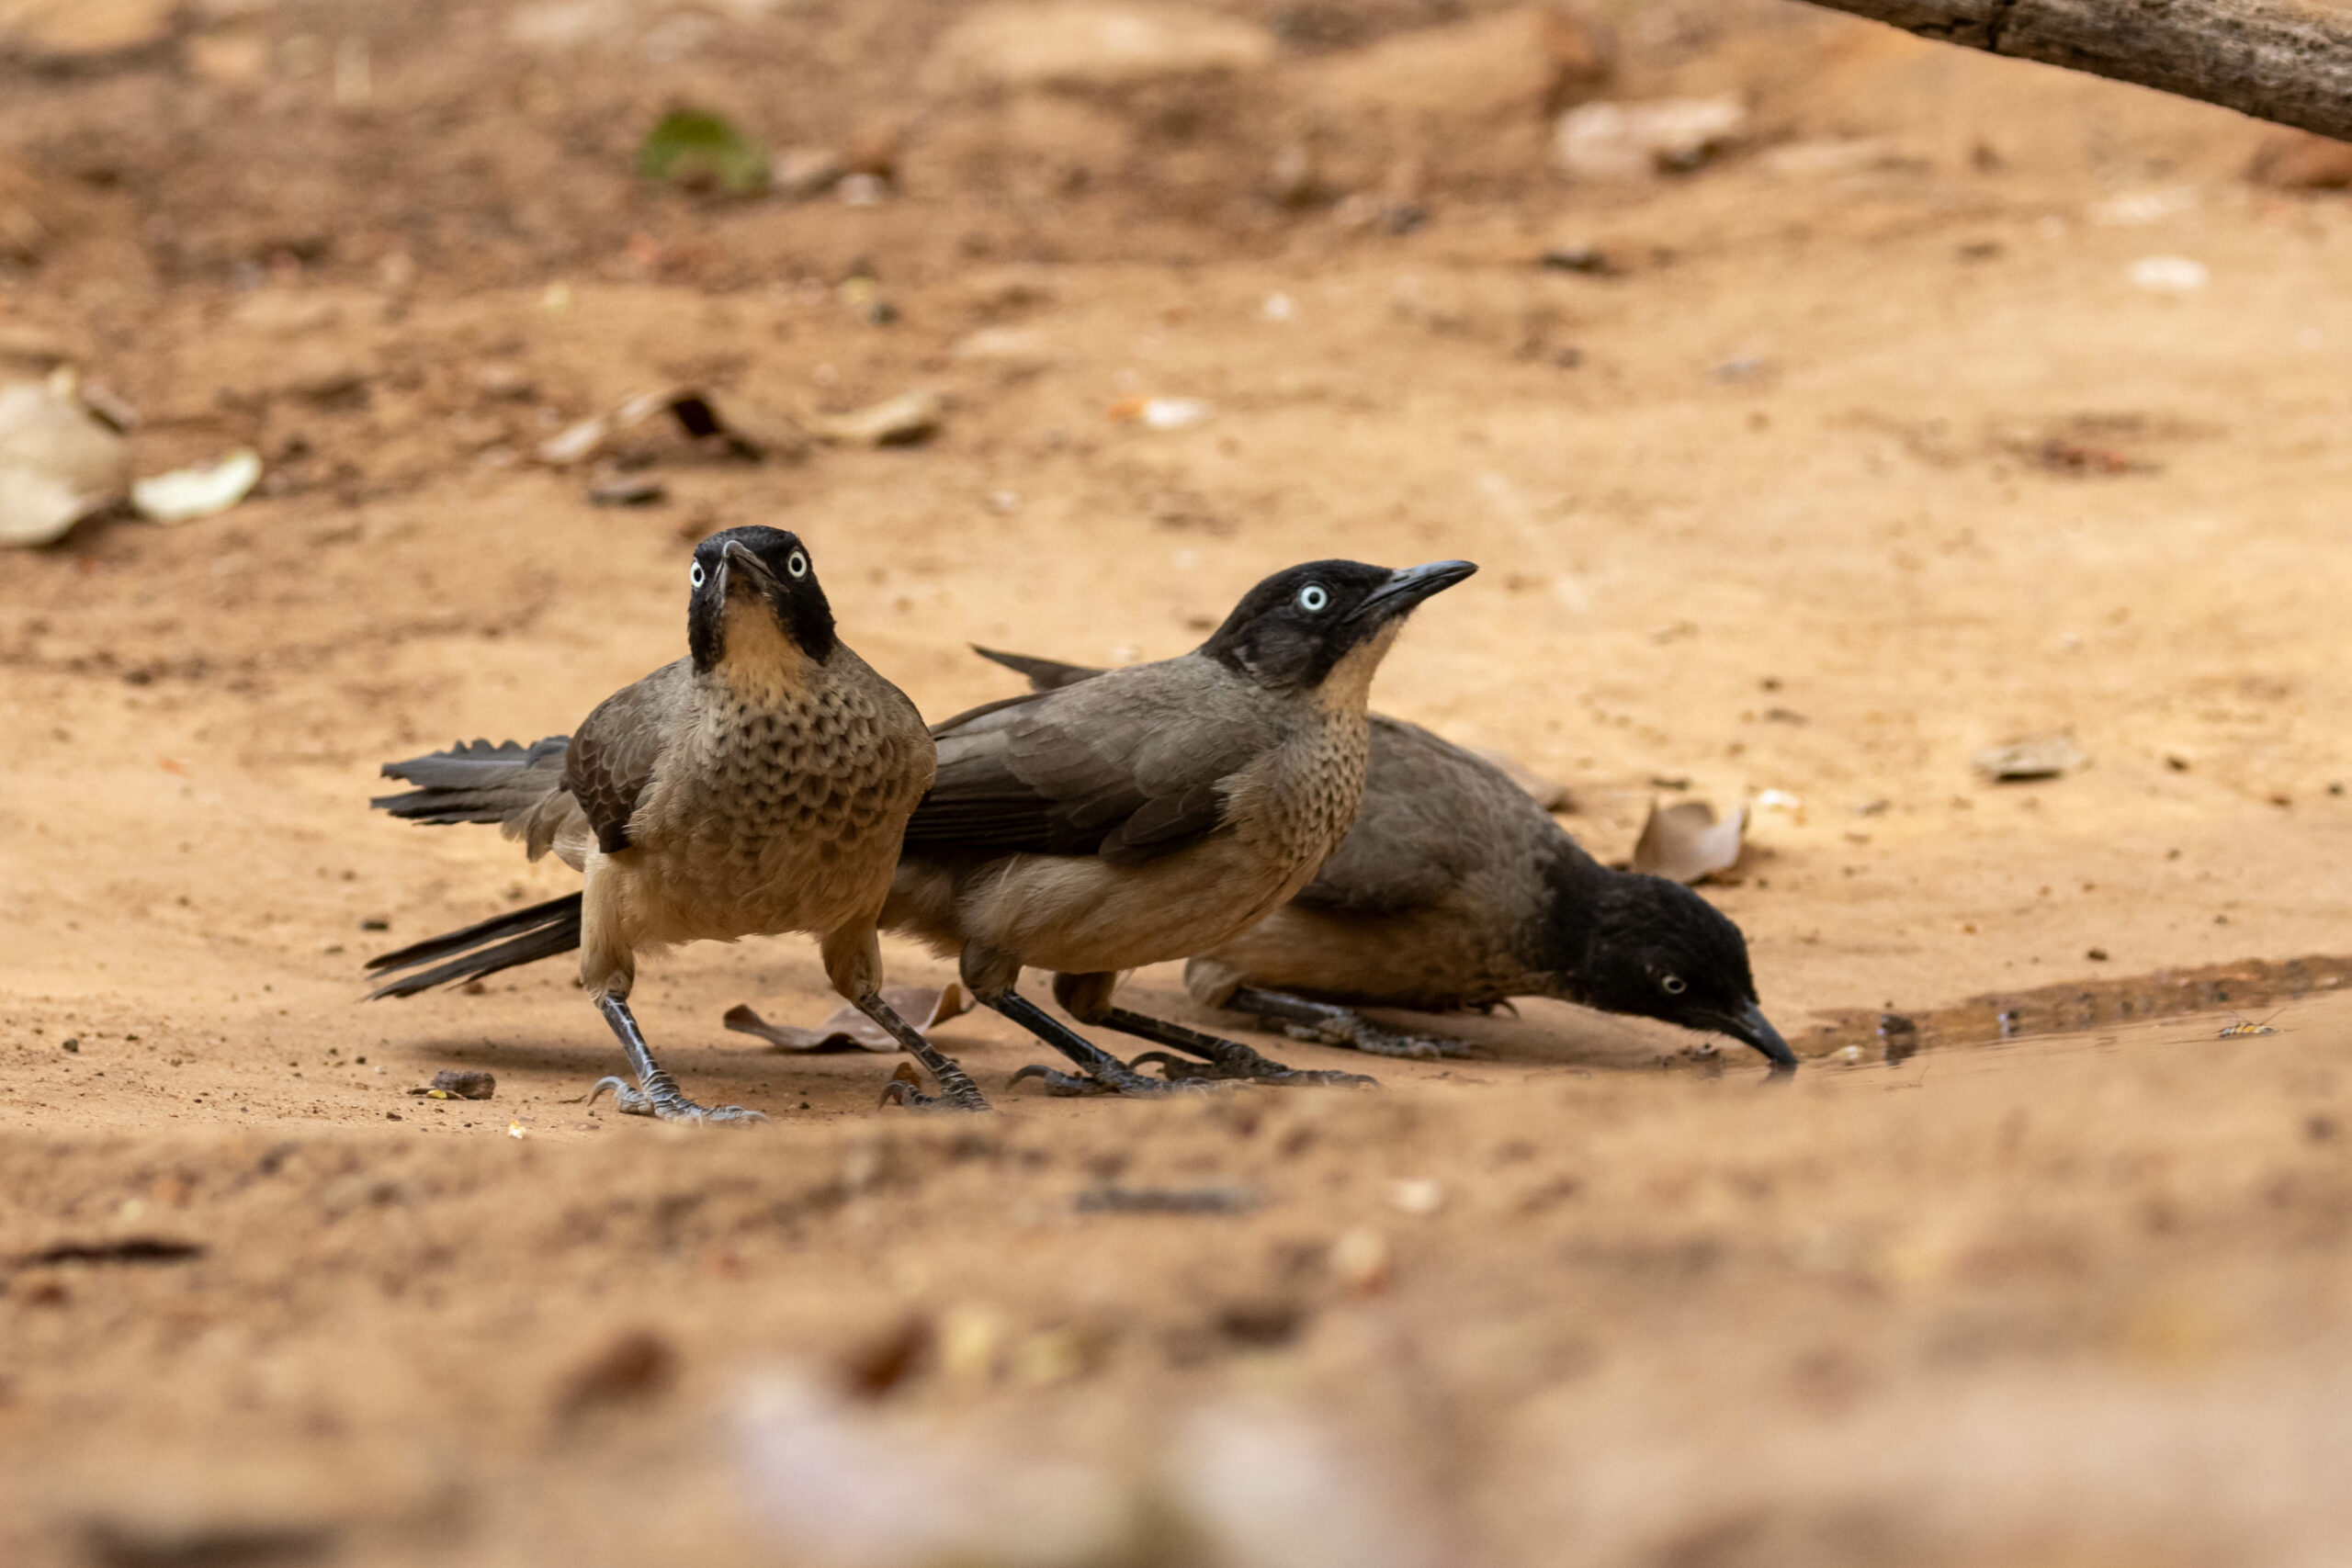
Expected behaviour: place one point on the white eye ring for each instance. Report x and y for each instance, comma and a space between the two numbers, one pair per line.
695, 575
1674, 985
1313, 598
797, 564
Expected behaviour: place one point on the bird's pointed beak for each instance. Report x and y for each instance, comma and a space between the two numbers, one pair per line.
738, 554
1408, 586
1750, 1027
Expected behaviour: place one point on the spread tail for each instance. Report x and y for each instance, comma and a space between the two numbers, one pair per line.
524, 936
477, 781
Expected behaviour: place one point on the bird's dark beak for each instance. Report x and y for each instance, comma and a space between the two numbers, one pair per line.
1408, 586
1750, 1027
738, 554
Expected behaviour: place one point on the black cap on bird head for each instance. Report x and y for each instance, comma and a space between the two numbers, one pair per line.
762, 571
1294, 627
1658, 950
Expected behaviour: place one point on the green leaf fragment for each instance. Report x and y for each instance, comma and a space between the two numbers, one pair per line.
696, 150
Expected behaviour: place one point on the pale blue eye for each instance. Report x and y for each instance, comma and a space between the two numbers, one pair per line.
695, 575
1313, 598
1673, 985
797, 564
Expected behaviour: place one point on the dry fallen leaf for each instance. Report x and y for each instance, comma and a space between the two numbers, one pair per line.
895, 421
200, 490
850, 1030
749, 428
58, 463
1685, 843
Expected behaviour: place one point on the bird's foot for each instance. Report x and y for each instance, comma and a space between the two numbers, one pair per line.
1230, 1059
1353, 1030
956, 1092
1328, 1023
663, 1100
1113, 1077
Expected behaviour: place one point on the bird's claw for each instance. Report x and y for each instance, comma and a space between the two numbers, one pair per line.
1357, 1034
1062, 1084
1118, 1078
905, 1089
631, 1100
1235, 1060
1181, 1069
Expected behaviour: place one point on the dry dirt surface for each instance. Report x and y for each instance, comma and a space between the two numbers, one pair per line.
1957, 403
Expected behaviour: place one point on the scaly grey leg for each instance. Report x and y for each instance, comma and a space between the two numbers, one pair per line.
655, 1093
1105, 1074
956, 1090
1327, 1024
1227, 1058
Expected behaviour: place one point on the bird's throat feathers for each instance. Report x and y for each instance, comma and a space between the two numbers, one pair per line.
1348, 688
757, 659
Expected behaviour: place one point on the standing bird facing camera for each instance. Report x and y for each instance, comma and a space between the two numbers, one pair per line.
1153, 812
1456, 889
758, 786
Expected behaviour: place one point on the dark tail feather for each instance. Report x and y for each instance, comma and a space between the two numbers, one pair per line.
1045, 675
475, 781
543, 931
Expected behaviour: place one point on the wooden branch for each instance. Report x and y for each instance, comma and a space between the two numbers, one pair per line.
2289, 61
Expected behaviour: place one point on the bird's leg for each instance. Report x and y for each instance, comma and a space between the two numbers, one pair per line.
1227, 1058
1328, 1025
655, 1093
956, 1092
1105, 1074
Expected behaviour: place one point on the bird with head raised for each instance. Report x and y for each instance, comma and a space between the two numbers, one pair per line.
759, 786
1155, 812
1454, 889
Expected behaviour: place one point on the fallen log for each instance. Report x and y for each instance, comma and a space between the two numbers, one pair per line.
2289, 61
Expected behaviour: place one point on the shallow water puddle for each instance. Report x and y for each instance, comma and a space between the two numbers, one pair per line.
2023, 1065
2247, 991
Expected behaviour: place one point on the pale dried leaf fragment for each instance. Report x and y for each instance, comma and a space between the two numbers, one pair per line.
751, 429
1685, 843
578, 443
902, 420
201, 490
1635, 140
850, 1030
58, 463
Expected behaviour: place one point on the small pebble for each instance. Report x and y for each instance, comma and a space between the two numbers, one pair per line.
1417, 1197
1360, 1260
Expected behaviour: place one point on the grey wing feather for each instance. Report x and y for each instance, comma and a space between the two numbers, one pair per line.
1130, 766
1430, 815
612, 758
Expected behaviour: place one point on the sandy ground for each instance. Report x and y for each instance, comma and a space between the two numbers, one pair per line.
1849, 467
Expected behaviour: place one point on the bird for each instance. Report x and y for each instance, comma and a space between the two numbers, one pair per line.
1153, 812
758, 786
1456, 889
